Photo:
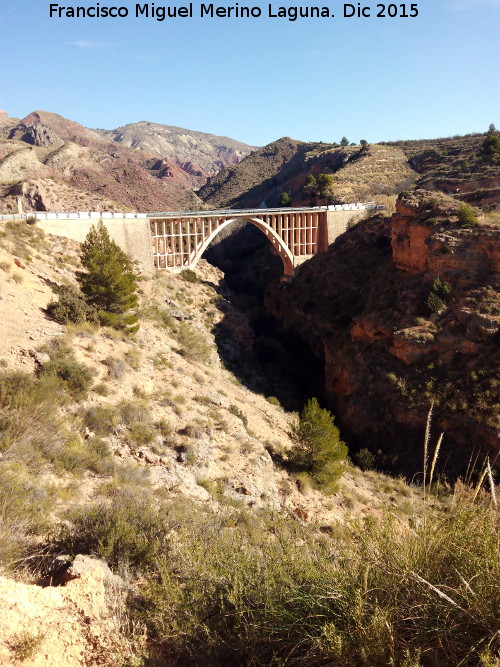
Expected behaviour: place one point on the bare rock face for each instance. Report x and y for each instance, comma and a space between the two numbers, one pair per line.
423, 239
41, 135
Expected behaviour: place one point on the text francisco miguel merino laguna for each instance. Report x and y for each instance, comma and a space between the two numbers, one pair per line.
160, 13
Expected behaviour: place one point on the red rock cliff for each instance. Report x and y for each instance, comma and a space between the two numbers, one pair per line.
394, 338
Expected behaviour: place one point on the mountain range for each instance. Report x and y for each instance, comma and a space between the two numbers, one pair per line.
52, 163
48, 162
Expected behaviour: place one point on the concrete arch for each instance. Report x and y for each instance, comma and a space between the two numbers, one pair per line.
275, 240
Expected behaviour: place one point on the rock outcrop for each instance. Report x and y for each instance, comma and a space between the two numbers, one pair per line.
73, 625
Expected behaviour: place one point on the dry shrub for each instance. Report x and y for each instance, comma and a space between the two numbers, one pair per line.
194, 343
29, 410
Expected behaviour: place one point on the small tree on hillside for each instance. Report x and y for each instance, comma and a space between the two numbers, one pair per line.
467, 216
319, 450
491, 147
311, 181
285, 199
108, 282
344, 141
325, 182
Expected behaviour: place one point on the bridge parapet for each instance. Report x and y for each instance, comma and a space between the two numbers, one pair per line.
72, 215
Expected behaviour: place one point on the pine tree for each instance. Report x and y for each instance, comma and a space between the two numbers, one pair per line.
319, 449
108, 282
325, 182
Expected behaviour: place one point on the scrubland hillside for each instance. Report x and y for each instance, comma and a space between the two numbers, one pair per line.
147, 453
357, 172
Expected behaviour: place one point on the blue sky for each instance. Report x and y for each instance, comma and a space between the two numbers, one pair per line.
259, 79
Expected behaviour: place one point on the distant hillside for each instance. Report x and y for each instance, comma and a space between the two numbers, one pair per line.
453, 163
284, 165
356, 172
51, 163
198, 153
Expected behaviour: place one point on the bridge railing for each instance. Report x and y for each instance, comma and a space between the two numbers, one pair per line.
225, 212
71, 215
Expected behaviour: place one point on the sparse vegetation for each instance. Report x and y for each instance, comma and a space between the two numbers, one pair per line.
116, 368
100, 419
189, 275
76, 377
29, 410
269, 587
27, 645
194, 343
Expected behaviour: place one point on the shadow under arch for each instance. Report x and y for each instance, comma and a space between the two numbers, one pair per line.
275, 240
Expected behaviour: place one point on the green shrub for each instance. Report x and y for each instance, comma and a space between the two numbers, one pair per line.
76, 377
235, 410
133, 358
325, 182
29, 410
273, 401
318, 448
441, 288
151, 311
491, 147
467, 216
100, 419
132, 412
116, 368
24, 509
165, 428
128, 531
101, 389
27, 644
71, 307
234, 588
252, 600
433, 303
59, 346
189, 275
365, 459
284, 199
141, 433
76, 455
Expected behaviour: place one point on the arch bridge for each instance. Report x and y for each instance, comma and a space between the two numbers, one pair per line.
296, 234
